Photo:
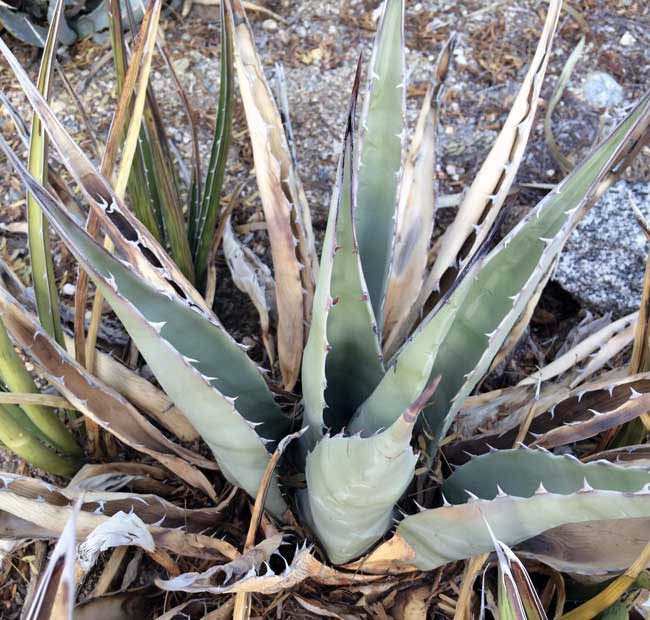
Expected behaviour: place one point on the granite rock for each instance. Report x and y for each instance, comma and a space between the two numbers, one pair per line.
602, 264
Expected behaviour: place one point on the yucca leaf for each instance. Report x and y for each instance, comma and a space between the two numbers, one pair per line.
278, 193
17, 434
487, 193
159, 165
162, 178
435, 537
141, 199
40, 252
510, 274
342, 360
380, 152
233, 372
416, 211
202, 224
124, 129
16, 378
490, 474
353, 484
518, 599
192, 357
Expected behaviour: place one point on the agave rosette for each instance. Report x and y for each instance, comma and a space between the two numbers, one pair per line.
374, 367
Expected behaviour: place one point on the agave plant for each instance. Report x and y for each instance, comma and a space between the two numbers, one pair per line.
28, 20
394, 347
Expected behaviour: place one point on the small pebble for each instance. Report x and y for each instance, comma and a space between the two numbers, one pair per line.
627, 40
69, 289
270, 25
601, 90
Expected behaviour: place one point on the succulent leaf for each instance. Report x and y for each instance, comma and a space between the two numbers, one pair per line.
192, 357
523, 472
342, 362
511, 272
487, 194
435, 537
380, 152
353, 484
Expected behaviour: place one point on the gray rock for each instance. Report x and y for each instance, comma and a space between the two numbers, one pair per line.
603, 262
601, 90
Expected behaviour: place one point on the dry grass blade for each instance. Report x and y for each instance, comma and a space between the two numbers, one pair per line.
566, 164
484, 199
100, 403
242, 608
599, 341
47, 400
275, 177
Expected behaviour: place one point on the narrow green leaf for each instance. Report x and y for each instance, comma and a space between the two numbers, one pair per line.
40, 252
380, 152
202, 224
14, 375
16, 436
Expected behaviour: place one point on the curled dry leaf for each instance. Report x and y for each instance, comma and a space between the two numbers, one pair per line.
258, 576
34, 516
253, 277
561, 415
151, 509
280, 199
416, 210
121, 529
